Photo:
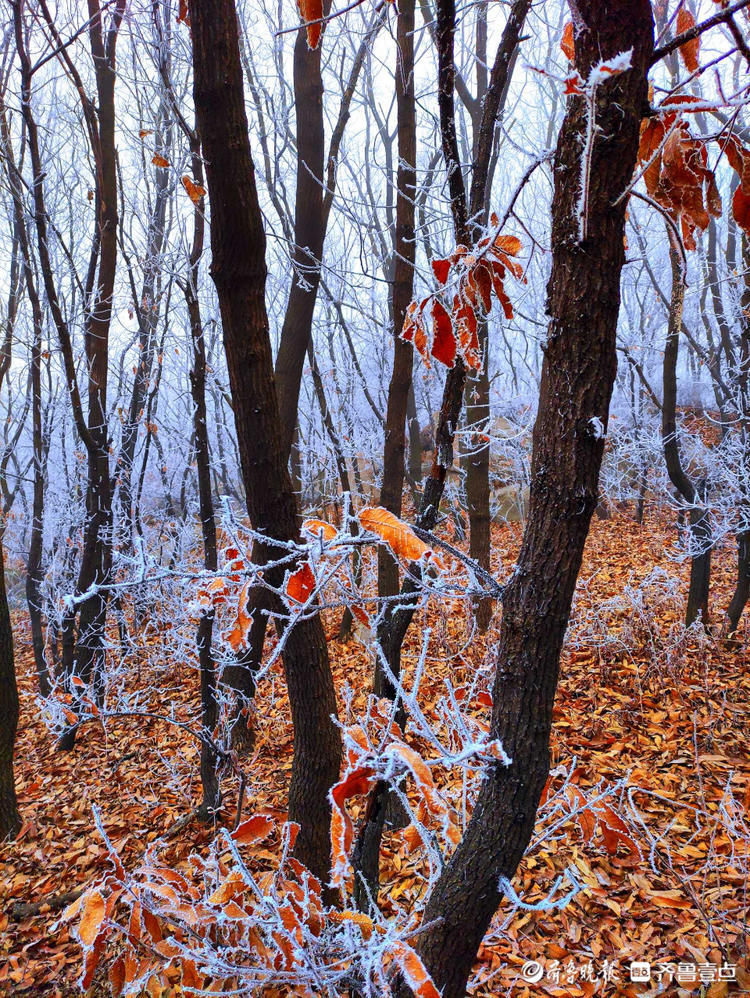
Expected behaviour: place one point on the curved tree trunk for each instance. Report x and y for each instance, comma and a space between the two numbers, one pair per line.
577, 379
239, 272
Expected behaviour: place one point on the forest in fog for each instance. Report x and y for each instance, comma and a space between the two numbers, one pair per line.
374, 498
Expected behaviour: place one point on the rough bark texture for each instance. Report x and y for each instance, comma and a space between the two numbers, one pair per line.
577, 378
239, 272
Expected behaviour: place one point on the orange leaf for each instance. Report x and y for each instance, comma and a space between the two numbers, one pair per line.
254, 829
414, 971
318, 527
567, 44
92, 918
398, 535
158, 160
183, 14
194, 191
689, 51
145, 132
364, 922
508, 244
311, 10
301, 583
238, 636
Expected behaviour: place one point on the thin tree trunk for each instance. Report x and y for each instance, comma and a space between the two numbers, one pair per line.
239, 272
34, 572
742, 588
691, 493
568, 443
10, 820
404, 251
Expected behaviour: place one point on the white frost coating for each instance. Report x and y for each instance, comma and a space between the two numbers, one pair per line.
602, 71
546, 904
597, 428
609, 67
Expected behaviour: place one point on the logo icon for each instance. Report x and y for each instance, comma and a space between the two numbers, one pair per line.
640, 971
532, 971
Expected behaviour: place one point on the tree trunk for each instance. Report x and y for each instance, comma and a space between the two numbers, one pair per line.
34, 572
239, 272
691, 493
10, 821
404, 249
742, 587
476, 463
308, 234
576, 386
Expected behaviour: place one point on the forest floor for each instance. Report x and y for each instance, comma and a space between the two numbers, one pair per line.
639, 701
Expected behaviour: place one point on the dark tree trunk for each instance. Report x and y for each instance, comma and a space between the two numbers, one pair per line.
308, 234
10, 821
476, 462
690, 493
209, 705
239, 272
96, 560
577, 379
404, 249
742, 587
34, 572
312, 212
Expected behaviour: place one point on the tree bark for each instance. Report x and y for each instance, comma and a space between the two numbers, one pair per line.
10, 820
692, 493
239, 272
576, 386
308, 234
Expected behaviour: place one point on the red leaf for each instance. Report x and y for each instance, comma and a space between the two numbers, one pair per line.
312, 10
443, 340
301, 583
741, 210
483, 279
441, 269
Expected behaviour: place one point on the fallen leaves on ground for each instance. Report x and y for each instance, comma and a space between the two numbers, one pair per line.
678, 728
